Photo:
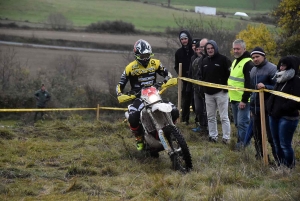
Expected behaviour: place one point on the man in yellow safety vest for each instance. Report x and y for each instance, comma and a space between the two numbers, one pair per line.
239, 100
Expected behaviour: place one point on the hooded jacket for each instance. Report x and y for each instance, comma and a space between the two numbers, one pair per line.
216, 69
184, 54
278, 106
262, 73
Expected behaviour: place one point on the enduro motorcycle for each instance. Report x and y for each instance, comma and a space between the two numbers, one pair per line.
160, 133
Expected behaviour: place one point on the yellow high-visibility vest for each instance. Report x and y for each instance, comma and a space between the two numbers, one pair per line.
236, 79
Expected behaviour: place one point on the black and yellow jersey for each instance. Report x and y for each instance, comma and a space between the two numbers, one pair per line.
140, 76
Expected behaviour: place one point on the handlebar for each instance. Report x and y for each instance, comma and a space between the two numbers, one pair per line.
130, 95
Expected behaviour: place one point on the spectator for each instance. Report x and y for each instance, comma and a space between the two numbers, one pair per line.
195, 41
283, 112
199, 98
261, 78
42, 96
239, 100
183, 55
216, 69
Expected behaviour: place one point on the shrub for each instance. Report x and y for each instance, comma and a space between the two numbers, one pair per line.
111, 27
263, 19
58, 21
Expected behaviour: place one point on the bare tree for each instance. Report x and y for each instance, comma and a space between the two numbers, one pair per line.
59, 21
8, 62
71, 66
254, 3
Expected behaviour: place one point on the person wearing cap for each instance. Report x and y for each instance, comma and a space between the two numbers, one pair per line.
42, 96
216, 69
261, 78
189, 88
239, 100
195, 41
199, 99
283, 112
183, 55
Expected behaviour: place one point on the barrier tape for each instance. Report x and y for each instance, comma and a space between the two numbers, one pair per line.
59, 109
284, 95
198, 82
220, 86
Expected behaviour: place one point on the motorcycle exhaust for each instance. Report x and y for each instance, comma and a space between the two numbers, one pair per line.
153, 142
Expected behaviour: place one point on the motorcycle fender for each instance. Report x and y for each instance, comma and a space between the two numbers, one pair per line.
163, 107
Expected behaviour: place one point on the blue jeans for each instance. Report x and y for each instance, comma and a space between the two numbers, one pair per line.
241, 119
282, 131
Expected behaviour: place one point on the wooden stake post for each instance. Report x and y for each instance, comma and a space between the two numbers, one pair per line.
179, 89
263, 126
98, 108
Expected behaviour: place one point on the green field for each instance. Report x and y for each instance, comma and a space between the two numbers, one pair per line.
76, 160
144, 16
238, 5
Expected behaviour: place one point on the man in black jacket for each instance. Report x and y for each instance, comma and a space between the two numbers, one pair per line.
42, 96
183, 55
216, 69
199, 100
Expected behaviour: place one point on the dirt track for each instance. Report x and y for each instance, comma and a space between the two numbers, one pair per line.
87, 37
98, 64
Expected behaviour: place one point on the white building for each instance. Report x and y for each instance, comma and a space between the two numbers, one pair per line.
206, 10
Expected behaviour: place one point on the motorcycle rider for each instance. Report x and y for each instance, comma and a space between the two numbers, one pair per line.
141, 73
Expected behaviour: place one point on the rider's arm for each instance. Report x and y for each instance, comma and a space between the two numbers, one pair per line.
123, 81
161, 70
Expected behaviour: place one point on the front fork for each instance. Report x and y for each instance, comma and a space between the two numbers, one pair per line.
161, 135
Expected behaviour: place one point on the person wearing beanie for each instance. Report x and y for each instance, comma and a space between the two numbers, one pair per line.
283, 112
198, 95
261, 78
240, 100
183, 55
188, 87
195, 41
216, 69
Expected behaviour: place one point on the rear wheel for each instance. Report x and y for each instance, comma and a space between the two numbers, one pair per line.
181, 157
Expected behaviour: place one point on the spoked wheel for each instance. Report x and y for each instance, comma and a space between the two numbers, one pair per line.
181, 157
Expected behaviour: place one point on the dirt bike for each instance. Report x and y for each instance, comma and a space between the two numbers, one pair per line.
160, 133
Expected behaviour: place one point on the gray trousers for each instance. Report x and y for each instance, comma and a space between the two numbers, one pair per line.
218, 101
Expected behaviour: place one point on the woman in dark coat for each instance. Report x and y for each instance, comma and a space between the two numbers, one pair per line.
283, 112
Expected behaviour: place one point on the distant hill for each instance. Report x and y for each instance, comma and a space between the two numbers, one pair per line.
144, 15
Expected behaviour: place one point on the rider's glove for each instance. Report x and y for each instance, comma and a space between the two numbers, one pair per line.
166, 79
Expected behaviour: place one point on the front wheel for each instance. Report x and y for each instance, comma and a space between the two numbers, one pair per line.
181, 157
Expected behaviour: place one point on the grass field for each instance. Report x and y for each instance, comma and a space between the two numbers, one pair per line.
77, 160
144, 16
261, 5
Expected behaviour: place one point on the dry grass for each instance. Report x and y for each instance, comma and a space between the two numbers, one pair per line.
80, 160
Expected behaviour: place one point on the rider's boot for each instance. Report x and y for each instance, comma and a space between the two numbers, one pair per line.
137, 132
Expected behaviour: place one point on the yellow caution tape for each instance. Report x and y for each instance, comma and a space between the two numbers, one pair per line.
172, 82
59, 109
220, 86
284, 95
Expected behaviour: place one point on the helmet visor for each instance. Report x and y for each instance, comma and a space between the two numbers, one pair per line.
144, 56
